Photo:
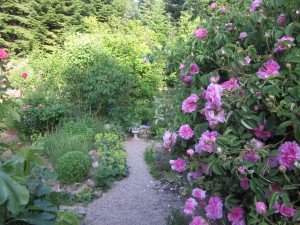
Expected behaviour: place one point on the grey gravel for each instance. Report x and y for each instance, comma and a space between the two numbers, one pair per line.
133, 200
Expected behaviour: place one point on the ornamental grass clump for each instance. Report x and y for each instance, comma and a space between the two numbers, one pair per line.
238, 117
73, 167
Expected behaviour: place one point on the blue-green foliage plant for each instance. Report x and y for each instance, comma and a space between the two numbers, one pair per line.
112, 162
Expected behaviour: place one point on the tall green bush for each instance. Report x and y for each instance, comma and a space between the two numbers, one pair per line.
238, 115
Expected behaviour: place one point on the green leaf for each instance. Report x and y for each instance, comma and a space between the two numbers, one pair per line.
289, 29
271, 90
273, 199
297, 133
246, 125
14, 193
285, 124
217, 169
253, 186
296, 216
286, 199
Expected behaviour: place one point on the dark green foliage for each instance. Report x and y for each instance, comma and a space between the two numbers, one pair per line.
95, 79
29, 24
73, 167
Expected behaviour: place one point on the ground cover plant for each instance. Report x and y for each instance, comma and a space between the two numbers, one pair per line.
237, 121
112, 163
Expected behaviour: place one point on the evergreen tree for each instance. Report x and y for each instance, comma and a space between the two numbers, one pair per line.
153, 15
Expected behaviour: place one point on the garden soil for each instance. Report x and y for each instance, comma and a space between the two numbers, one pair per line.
133, 200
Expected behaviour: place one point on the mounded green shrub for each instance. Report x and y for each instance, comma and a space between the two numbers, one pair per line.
72, 167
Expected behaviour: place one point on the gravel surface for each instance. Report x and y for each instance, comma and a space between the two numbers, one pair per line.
133, 200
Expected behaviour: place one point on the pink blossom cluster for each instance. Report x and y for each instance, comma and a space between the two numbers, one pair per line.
169, 139
270, 68
190, 104
213, 112
200, 195
178, 165
281, 48
243, 35
24, 75
213, 5
251, 156
236, 216
281, 19
206, 142
26, 107
289, 153
198, 220
245, 183
187, 79
3, 54
194, 69
261, 207
261, 133
224, 9
201, 33
190, 206
214, 209
231, 84
255, 5
186, 132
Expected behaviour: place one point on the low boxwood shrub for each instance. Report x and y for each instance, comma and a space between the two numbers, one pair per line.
73, 167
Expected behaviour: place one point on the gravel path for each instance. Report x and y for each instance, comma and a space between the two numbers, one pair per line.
133, 200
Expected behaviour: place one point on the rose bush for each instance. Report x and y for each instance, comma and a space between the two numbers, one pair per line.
238, 109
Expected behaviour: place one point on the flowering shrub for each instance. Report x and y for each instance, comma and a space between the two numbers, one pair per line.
238, 114
39, 118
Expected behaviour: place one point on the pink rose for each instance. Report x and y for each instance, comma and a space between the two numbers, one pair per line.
241, 170
190, 104
289, 153
214, 80
213, 5
190, 205
245, 183
243, 35
178, 165
190, 152
254, 5
270, 68
260, 133
201, 33
224, 9
236, 214
231, 84
214, 209
3, 54
186, 132
288, 212
261, 207
281, 20
24, 75
206, 142
198, 220
199, 193
194, 69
